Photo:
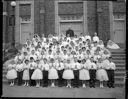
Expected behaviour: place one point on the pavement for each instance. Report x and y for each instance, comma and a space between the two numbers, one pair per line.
21, 91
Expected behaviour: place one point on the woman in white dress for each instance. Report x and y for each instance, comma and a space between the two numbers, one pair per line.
68, 73
84, 73
101, 73
53, 74
112, 45
11, 72
26, 73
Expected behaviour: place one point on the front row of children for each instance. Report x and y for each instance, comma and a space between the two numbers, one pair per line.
40, 72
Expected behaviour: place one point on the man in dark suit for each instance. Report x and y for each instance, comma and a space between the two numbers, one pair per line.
70, 33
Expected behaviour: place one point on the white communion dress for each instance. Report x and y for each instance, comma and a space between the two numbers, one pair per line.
112, 45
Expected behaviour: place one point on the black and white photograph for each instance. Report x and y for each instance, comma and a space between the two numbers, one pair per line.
64, 48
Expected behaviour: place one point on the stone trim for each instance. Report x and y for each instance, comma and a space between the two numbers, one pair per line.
85, 21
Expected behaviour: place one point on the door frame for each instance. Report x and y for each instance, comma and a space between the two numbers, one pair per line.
57, 18
120, 44
19, 22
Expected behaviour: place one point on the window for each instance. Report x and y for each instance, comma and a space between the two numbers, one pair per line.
25, 12
119, 16
70, 17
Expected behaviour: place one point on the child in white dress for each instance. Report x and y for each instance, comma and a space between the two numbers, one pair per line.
68, 73
101, 73
84, 73
11, 72
37, 74
52, 72
26, 73
112, 45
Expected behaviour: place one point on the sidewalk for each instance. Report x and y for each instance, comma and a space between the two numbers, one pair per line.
20, 91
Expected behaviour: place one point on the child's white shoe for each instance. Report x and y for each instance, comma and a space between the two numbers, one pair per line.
27, 84
70, 86
84, 86
101, 86
24, 84
10, 84
37, 86
53, 85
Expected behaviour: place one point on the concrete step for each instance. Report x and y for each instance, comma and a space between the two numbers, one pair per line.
119, 74
118, 55
119, 61
119, 78
121, 65
119, 58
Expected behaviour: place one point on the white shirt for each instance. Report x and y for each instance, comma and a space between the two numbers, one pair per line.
93, 66
76, 65
32, 65
96, 39
45, 66
26, 66
19, 67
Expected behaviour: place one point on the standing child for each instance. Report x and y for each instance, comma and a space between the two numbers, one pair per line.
60, 68
101, 73
45, 69
92, 72
31, 70
26, 73
53, 75
84, 73
76, 67
11, 73
19, 69
68, 73
37, 74
110, 71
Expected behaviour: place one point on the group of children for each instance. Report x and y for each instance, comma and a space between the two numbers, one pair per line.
65, 60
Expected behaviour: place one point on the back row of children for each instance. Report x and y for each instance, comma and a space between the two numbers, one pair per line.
73, 59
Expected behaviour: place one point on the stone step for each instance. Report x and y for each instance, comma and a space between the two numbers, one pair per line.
120, 84
119, 58
119, 61
120, 65
121, 55
119, 78
120, 71
119, 74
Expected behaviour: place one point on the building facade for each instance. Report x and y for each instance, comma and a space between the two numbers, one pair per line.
107, 18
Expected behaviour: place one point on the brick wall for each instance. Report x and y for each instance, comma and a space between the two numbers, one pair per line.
71, 8
9, 28
49, 17
103, 20
91, 17
36, 17
119, 7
